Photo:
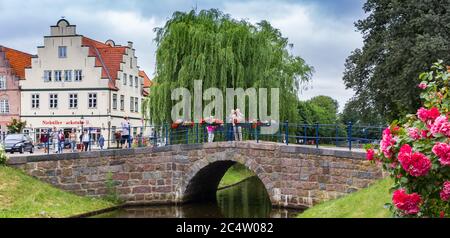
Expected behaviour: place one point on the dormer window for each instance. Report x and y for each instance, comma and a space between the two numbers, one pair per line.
62, 52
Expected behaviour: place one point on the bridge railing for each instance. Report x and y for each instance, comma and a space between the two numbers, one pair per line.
317, 135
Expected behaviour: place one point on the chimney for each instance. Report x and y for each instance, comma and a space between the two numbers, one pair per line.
130, 44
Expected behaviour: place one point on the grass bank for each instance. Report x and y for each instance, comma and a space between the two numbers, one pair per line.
24, 196
235, 174
366, 203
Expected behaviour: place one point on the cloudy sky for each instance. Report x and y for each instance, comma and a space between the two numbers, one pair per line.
322, 31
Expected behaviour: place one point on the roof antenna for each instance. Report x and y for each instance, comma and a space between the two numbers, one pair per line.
196, 3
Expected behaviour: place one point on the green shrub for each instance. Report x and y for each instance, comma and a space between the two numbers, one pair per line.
111, 185
3, 157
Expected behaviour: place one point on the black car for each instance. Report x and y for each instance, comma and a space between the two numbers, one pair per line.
18, 143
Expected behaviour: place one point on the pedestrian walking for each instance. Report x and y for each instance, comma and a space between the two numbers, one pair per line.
101, 141
118, 138
126, 132
55, 140
86, 140
61, 141
44, 140
73, 140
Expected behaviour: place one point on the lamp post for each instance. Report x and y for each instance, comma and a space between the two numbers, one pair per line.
82, 123
82, 133
109, 129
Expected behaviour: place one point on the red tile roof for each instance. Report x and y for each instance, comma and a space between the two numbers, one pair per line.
147, 81
107, 57
18, 61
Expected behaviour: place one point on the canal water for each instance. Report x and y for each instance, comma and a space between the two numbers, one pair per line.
248, 199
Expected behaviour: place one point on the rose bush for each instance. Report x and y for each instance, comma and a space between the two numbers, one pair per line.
415, 151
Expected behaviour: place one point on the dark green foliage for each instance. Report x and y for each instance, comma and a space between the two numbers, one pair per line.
319, 109
224, 53
16, 126
3, 157
401, 39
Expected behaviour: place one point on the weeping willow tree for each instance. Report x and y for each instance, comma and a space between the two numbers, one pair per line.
223, 53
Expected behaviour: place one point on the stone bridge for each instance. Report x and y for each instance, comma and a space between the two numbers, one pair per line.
294, 176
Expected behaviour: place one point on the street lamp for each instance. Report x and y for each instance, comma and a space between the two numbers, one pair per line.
82, 123
109, 129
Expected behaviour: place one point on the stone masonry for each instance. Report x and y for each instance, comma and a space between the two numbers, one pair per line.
294, 176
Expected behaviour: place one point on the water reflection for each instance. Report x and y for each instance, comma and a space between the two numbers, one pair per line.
249, 199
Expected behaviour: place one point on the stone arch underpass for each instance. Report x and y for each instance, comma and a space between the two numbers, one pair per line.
294, 176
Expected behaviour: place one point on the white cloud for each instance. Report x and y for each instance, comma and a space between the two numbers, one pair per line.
324, 41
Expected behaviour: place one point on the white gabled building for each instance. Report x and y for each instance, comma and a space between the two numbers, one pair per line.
75, 82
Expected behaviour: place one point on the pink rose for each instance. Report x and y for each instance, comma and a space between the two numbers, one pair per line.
428, 116
387, 142
445, 193
422, 86
370, 154
441, 126
408, 203
442, 151
414, 133
416, 164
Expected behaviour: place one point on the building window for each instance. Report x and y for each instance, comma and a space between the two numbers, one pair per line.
35, 100
131, 104
136, 82
68, 75
73, 100
125, 79
136, 104
92, 100
58, 75
62, 52
131, 80
47, 75
122, 102
131, 63
4, 106
2, 82
114, 104
53, 101
78, 75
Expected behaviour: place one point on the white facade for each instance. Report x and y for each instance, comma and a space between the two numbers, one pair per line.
84, 77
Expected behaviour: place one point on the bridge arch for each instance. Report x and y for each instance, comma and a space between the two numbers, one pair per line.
201, 181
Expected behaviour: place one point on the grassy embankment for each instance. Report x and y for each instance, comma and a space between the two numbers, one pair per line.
24, 196
366, 203
235, 174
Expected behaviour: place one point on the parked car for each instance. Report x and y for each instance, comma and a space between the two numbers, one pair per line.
18, 143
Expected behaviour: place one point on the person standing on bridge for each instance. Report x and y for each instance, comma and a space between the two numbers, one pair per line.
211, 128
55, 140
126, 126
73, 140
237, 119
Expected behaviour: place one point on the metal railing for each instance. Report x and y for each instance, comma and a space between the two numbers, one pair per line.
316, 135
